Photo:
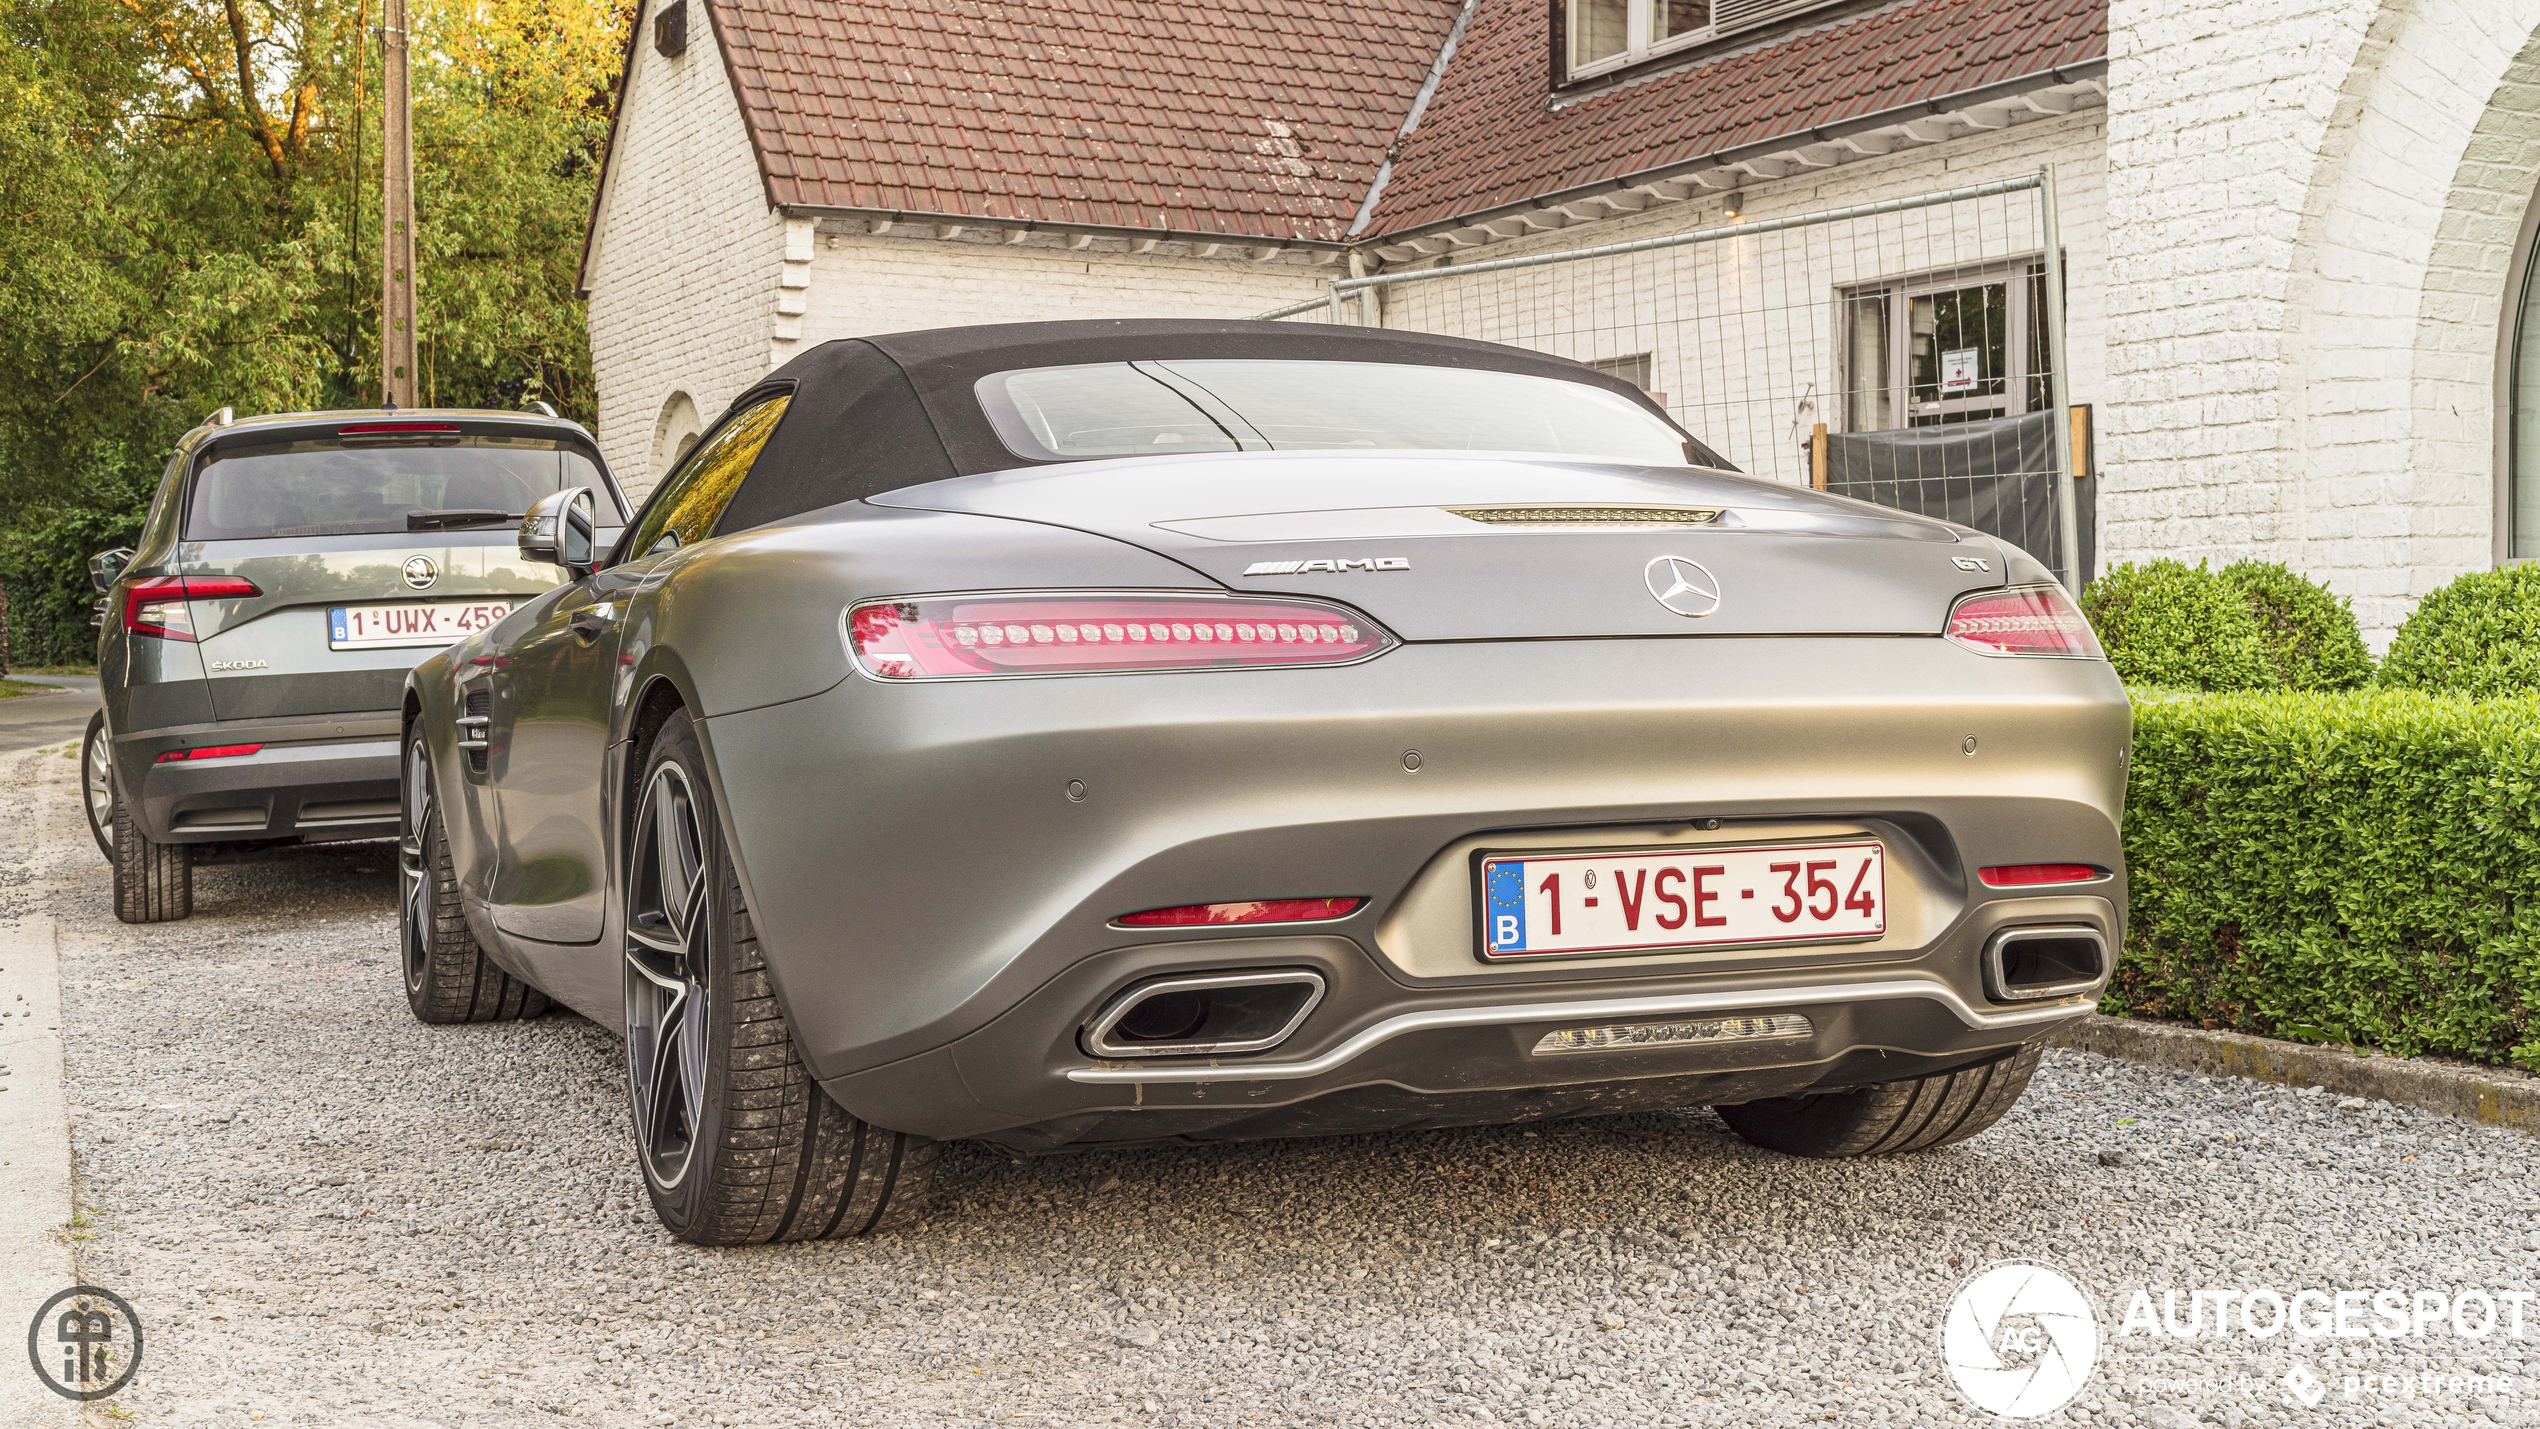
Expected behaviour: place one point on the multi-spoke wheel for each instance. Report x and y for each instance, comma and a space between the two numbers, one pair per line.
738, 1144
97, 784
448, 977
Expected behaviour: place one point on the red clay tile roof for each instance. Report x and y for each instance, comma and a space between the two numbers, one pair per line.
1491, 136
1251, 118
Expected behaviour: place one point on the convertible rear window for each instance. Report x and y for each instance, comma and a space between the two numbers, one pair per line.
320, 486
1117, 409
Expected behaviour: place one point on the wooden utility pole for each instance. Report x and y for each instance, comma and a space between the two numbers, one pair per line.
397, 254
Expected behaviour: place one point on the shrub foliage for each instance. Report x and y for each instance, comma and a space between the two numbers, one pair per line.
2170, 625
2356, 868
2309, 636
2479, 635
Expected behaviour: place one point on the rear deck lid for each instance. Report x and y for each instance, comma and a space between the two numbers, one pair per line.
1457, 547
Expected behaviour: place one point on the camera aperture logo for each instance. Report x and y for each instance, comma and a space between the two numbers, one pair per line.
2020, 1339
85, 1343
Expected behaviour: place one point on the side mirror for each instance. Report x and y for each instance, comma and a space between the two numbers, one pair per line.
559, 531
105, 566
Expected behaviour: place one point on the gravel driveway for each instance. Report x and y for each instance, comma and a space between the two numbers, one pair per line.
329, 1214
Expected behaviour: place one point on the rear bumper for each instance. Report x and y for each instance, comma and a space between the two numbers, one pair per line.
326, 778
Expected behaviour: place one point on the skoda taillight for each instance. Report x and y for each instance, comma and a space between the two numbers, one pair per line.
2027, 620
958, 637
157, 607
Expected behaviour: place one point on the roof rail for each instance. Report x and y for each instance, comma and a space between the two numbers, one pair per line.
221, 418
543, 409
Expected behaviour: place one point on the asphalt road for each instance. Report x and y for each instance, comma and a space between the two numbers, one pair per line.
327, 1213
32, 721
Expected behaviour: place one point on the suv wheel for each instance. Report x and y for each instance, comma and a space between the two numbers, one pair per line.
154, 882
448, 977
738, 1144
97, 784
1913, 1115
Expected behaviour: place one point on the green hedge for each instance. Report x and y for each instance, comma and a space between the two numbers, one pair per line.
2478, 635
2309, 636
2356, 868
2170, 625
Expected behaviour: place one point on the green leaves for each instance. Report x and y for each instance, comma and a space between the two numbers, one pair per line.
2338, 867
2309, 636
2479, 635
2169, 625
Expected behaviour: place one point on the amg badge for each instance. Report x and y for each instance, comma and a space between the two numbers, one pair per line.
1326, 568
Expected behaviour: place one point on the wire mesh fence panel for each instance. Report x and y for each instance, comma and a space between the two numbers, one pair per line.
1903, 351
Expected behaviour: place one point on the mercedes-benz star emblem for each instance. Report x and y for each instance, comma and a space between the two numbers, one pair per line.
421, 572
1683, 586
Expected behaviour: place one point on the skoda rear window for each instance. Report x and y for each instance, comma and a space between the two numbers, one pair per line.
335, 485
1121, 409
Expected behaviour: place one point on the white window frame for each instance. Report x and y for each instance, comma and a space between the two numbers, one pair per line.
1640, 21
2015, 274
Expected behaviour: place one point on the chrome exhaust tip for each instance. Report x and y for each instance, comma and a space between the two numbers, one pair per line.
2033, 964
1198, 1014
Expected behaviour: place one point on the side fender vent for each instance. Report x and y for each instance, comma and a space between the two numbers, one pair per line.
473, 725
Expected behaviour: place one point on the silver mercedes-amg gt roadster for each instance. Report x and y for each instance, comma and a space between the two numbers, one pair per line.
1085, 734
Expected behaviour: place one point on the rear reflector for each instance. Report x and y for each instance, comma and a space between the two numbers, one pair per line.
2033, 620
208, 751
1268, 910
2029, 875
156, 607
1673, 1034
958, 637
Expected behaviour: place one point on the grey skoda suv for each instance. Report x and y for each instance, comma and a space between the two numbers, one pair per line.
253, 646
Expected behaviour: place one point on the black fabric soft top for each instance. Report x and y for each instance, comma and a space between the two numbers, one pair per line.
874, 414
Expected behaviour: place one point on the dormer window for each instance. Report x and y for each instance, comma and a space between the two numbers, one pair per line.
1606, 35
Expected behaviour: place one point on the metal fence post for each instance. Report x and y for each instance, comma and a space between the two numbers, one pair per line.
1334, 299
2067, 511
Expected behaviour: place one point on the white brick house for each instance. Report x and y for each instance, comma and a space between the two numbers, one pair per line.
2298, 233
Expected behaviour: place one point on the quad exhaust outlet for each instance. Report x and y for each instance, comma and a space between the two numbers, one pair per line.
1198, 1014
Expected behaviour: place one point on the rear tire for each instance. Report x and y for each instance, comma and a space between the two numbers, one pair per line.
97, 784
154, 882
1891, 1117
448, 977
738, 1145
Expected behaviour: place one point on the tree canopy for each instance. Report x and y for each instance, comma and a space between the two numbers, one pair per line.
189, 219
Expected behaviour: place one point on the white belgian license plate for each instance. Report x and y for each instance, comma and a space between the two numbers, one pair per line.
423, 622
1642, 900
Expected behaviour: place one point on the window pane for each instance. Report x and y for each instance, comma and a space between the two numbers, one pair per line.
1599, 29
319, 488
685, 510
1367, 406
1957, 350
1680, 17
1869, 398
1098, 410
2522, 540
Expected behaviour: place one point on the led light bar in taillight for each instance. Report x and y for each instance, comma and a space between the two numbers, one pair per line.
957, 637
208, 751
156, 607
399, 434
2029, 620
1266, 910
2031, 875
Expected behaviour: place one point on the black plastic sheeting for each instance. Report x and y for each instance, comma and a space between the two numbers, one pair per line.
1996, 476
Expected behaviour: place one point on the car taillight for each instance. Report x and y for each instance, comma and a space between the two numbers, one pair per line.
2030, 875
1267, 910
399, 434
976, 636
156, 607
208, 751
2031, 620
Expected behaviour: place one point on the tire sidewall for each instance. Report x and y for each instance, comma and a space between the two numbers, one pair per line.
427, 846
102, 833
684, 1205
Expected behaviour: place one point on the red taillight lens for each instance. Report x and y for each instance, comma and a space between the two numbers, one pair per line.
2032, 620
399, 434
208, 751
1267, 910
2029, 875
156, 607
975, 636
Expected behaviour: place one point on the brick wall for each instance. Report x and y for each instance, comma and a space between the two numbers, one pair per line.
2313, 208
684, 276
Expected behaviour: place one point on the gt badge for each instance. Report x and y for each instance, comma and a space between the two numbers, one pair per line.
1969, 563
